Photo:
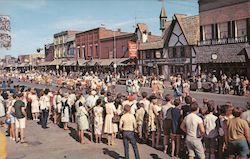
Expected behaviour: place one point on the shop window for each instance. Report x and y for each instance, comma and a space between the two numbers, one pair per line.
174, 53
182, 52
241, 28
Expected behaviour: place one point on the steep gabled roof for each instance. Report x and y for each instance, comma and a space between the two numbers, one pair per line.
151, 45
142, 27
189, 26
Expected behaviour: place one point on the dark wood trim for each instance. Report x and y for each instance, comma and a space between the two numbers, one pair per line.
229, 29
233, 29
201, 33
248, 29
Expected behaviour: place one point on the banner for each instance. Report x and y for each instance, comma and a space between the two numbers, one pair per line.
132, 49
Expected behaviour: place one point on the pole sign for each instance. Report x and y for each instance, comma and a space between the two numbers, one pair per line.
5, 37
132, 49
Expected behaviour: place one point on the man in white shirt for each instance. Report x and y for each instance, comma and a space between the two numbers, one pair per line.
193, 126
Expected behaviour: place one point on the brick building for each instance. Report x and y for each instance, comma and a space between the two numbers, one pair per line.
88, 43
224, 36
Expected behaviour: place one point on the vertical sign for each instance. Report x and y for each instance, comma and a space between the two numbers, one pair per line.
5, 37
132, 49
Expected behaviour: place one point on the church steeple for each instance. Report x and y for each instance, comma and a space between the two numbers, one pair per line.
163, 16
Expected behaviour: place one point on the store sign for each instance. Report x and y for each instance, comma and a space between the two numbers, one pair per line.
132, 49
5, 37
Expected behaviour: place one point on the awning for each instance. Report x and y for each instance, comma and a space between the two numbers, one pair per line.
69, 63
245, 51
122, 61
93, 62
106, 62
82, 62
23, 65
224, 53
46, 63
55, 62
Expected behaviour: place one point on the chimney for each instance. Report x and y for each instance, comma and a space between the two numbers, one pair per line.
119, 29
149, 33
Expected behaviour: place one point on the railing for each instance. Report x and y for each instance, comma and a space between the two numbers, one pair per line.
223, 41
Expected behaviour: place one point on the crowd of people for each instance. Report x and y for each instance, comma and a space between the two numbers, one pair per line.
202, 130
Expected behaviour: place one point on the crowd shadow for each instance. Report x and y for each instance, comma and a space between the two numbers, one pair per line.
73, 133
112, 154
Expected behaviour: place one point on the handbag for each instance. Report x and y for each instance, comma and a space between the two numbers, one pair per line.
116, 118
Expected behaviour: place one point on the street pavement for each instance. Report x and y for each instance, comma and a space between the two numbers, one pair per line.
56, 143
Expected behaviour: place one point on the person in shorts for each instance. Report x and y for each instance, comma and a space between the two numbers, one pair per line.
193, 126
167, 120
238, 136
20, 117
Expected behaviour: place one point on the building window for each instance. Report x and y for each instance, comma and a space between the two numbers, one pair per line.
208, 32
147, 55
97, 51
83, 51
182, 52
170, 53
174, 52
223, 30
79, 52
91, 51
241, 28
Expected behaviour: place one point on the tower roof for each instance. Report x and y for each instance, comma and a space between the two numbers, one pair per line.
163, 10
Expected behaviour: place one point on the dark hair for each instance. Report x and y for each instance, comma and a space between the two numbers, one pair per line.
109, 94
144, 94
110, 99
210, 108
152, 97
210, 103
46, 91
237, 112
14, 96
99, 101
102, 92
188, 99
168, 97
126, 108
177, 102
194, 106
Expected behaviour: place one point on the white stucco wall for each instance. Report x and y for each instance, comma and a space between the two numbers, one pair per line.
176, 36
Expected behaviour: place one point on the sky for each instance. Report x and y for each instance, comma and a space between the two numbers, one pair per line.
34, 22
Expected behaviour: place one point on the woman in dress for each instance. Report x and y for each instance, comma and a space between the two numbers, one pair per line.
153, 113
109, 127
2, 109
65, 111
98, 121
82, 121
10, 115
154, 86
57, 107
34, 105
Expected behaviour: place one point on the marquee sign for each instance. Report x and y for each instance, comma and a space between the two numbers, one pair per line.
5, 37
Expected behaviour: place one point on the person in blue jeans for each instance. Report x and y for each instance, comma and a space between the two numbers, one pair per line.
128, 126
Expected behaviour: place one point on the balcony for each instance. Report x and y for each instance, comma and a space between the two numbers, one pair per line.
223, 41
